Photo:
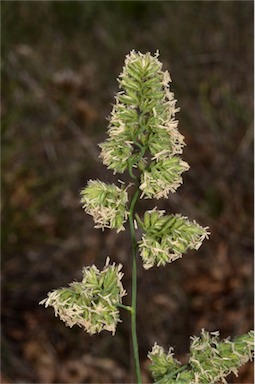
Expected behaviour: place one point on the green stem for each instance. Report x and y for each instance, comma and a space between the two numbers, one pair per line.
130, 165
134, 288
126, 307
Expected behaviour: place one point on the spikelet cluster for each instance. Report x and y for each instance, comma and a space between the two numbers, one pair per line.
106, 203
91, 303
162, 363
162, 177
211, 360
167, 237
143, 127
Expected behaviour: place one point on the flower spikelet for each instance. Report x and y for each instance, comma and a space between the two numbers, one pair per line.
211, 360
106, 203
143, 117
91, 303
162, 177
167, 237
162, 363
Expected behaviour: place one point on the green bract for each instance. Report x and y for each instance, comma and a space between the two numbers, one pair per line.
106, 203
90, 304
167, 237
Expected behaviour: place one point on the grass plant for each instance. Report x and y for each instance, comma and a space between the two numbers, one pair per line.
144, 141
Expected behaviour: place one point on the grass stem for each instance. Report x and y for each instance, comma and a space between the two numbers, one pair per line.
134, 288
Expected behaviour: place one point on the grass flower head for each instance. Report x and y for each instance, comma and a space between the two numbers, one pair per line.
106, 203
91, 303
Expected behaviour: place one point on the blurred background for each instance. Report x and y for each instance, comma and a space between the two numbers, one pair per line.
60, 61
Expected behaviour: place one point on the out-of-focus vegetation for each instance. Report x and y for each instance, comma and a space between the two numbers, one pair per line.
60, 61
